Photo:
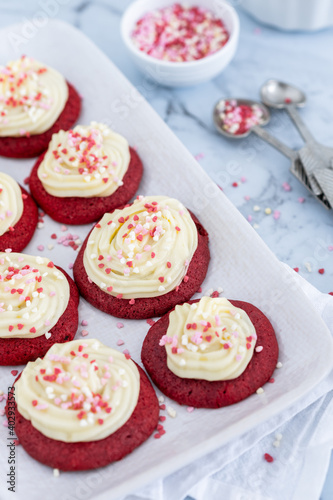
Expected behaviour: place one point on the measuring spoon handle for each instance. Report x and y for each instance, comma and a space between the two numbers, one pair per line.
302, 128
273, 141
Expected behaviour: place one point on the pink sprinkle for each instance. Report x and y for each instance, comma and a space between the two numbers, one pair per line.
330, 248
52, 293
286, 186
40, 248
2, 412
120, 325
259, 348
84, 322
63, 228
249, 218
120, 342
276, 214
150, 322
199, 156
243, 179
70, 265
189, 409
84, 333
247, 197
301, 200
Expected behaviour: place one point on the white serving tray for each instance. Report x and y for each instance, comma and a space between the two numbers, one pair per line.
241, 263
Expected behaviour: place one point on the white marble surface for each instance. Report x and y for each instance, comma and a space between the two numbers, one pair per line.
303, 234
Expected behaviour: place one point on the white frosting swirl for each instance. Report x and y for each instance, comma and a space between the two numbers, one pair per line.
209, 340
33, 295
142, 250
11, 203
86, 161
32, 96
80, 391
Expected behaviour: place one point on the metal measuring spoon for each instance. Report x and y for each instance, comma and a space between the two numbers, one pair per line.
296, 165
314, 155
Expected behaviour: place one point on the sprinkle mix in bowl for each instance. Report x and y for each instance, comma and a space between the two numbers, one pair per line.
179, 34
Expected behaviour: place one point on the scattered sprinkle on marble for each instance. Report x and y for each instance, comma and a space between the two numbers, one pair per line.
301, 200
260, 390
249, 218
70, 265
247, 197
321, 271
279, 364
14, 372
84, 322
120, 342
40, 248
286, 186
276, 214
268, 458
268, 211
308, 267
120, 325
256, 208
189, 409
84, 333
296, 269
199, 156
56, 472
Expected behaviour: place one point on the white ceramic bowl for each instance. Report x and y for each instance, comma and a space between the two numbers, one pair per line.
292, 14
181, 74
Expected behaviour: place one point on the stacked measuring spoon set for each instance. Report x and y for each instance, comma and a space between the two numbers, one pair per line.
312, 165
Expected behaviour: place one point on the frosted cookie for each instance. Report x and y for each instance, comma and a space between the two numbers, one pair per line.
35, 102
142, 260
211, 353
84, 173
18, 215
83, 406
39, 307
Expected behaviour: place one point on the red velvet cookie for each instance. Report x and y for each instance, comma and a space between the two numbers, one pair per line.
202, 393
18, 351
152, 306
93, 454
18, 238
34, 145
77, 210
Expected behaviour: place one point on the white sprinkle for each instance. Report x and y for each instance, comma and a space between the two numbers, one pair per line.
276, 444
161, 288
278, 436
171, 412
56, 472
308, 266
260, 390
256, 208
279, 364
161, 399
48, 335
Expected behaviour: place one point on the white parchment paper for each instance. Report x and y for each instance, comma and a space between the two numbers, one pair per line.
240, 263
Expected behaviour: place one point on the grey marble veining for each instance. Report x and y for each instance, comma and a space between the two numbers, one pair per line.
302, 235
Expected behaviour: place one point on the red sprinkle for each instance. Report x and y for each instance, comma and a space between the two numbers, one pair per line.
321, 271
268, 458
